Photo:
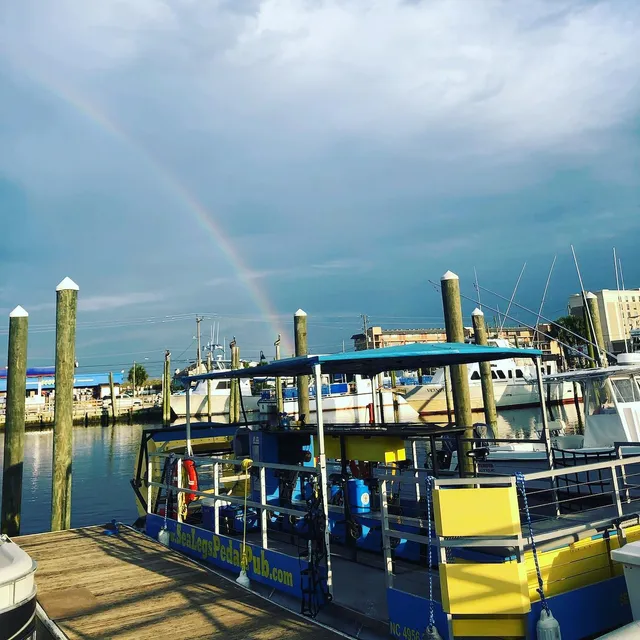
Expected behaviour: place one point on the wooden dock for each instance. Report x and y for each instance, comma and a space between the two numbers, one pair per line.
95, 584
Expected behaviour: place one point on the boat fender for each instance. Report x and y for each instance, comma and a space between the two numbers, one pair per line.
163, 536
548, 628
432, 633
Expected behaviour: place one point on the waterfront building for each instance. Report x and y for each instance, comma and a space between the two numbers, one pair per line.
619, 315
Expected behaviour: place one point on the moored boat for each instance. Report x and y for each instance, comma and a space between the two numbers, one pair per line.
17, 592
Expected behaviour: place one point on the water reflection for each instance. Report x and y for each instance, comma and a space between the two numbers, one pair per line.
103, 464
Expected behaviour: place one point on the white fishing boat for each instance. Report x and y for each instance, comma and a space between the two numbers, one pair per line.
344, 402
611, 402
212, 398
17, 592
514, 386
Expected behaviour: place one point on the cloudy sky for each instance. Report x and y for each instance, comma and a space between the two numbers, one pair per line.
243, 158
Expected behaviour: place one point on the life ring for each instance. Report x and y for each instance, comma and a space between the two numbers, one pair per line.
189, 470
192, 480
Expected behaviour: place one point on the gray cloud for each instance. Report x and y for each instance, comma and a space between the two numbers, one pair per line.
345, 150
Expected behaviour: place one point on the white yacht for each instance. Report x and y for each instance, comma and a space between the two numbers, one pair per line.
344, 402
220, 393
514, 386
611, 402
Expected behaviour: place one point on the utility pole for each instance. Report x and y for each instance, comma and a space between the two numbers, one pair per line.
365, 328
199, 357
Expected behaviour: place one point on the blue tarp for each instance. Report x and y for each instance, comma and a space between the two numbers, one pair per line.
374, 361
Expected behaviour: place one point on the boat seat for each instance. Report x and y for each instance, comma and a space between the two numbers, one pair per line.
569, 442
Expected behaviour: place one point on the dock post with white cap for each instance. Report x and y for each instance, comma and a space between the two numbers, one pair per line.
14, 426
488, 398
300, 328
66, 310
459, 382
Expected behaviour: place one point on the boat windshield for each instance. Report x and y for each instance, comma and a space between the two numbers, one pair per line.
599, 397
626, 389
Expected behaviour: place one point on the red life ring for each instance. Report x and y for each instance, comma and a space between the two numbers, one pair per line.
192, 480
189, 469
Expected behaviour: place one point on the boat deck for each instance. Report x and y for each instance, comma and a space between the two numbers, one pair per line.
93, 583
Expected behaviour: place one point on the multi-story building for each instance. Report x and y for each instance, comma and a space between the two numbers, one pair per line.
377, 337
619, 315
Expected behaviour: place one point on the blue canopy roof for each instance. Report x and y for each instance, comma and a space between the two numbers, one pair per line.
373, 361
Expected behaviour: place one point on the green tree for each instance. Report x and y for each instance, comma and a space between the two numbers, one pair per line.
137, 376
575, 325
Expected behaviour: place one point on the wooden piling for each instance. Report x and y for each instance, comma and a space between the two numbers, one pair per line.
166, 390
488, 398
279, 398
447, 395
594, 312
209, 366
459, 381
14, 425
589, 335
113, 398
234, 397
66, 309
302, 349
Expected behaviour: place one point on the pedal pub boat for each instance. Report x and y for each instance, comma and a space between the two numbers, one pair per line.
340, 518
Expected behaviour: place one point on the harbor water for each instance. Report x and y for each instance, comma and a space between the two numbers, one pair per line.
104, 460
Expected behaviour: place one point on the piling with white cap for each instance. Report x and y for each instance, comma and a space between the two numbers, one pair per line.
302, 349
14, 425
459, 382
66, 312
488, 398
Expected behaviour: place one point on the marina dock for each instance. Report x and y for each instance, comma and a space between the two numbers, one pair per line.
98, 583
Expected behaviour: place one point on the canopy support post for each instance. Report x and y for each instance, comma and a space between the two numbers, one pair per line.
188, 412
322, 464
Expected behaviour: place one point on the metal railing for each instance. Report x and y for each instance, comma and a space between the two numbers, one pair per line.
220, 499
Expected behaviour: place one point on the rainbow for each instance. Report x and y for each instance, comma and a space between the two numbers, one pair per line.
203, 217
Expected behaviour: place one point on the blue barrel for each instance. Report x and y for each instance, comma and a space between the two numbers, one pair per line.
358, 496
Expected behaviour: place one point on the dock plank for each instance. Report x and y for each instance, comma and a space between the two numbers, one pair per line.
128, 586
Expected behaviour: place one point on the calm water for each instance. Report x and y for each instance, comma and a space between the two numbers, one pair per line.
103, 465
104, 459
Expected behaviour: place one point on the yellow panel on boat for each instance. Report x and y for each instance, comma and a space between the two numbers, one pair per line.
373, 449
481, 589
476, 512
490, 627
576, 565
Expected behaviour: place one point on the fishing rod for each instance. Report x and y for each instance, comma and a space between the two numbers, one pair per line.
524, 324
548, 320
544, 293
513, 295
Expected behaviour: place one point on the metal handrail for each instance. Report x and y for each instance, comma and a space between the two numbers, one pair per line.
237, 462
233, 500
